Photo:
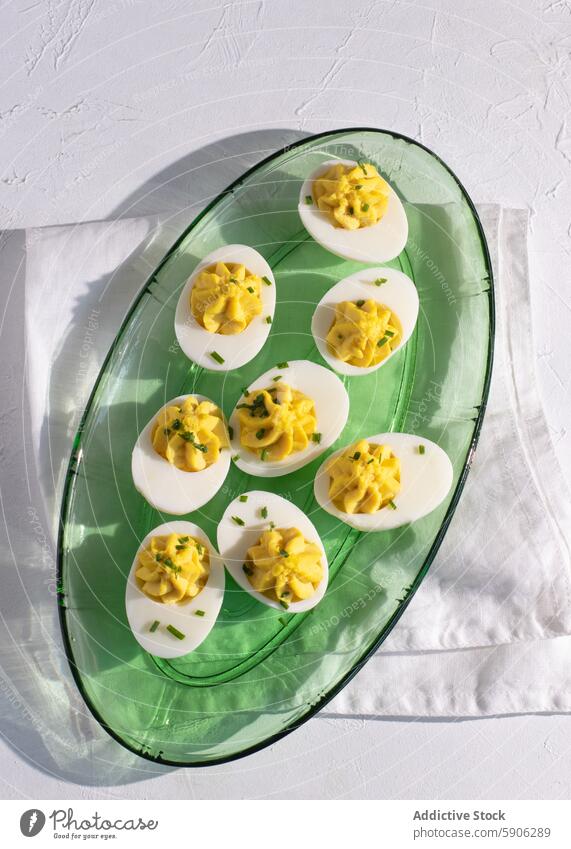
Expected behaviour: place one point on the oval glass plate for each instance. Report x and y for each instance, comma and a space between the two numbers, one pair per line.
260, 673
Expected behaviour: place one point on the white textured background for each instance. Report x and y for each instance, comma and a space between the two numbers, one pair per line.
102, 101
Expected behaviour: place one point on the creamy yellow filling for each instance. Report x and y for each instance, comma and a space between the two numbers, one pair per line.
353, 196
276, 422
190, 436
225, 298
173, 568
284, 566
364, 478
363, 333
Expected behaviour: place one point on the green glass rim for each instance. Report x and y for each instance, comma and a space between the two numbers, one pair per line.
73, 466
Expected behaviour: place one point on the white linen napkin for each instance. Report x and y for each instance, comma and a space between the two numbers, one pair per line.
503, 572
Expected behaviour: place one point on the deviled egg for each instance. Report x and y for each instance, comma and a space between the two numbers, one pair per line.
286, 418
182, 457
350, 210
226, 307
384, 481
273, 551
364, 319
174, 589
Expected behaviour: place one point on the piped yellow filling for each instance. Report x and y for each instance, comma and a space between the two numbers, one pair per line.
284, 566
190, 436
363, 333
353, 196
276, 422
173, 568
364, 478
225, 298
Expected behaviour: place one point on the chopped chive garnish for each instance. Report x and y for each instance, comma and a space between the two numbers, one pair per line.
382, 341
355, 456
316, 437
248, 569
358, 186
216, 356
260, 433
421, 449
230, 431
199, 612
392, 505
238, 520
154, 626
264, 453
308, 200
365, 207
282, 365
251, 290
180, 547
379, 281
158, 558
268, 319
183, 539
243, 498
372, 460
284, 553
264, 512
200, 549
389, 333
267, 281
245, 390
277, 377
360, 302
233, 280
176, 425
235, 457
284, 604
175, 632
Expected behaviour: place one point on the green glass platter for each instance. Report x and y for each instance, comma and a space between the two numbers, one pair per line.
260, 673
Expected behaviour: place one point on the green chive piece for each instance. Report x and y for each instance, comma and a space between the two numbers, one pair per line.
282, 365
230, 431
389, 333
264, 453
283, 552
200, 549
154, 626
379, 281
392, 505
277, 377
356, 455
365, 207
372, 460
358, 186
382, 341
243, 498
199, 612
308, 200
238, 520
250, 289
284, 604
245, 391
260, 433
183, 539
180, 547
272, 525
235, 457
268, 319
248, 569
216, 356
264, 512
421, 449
316, 437
360, 303
233, 280
267, 281
175, 632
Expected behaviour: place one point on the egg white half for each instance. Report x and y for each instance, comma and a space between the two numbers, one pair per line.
380, 242
425, 482
198, 344
234, 540
143, 611
331, 407
167, 488
398, 294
